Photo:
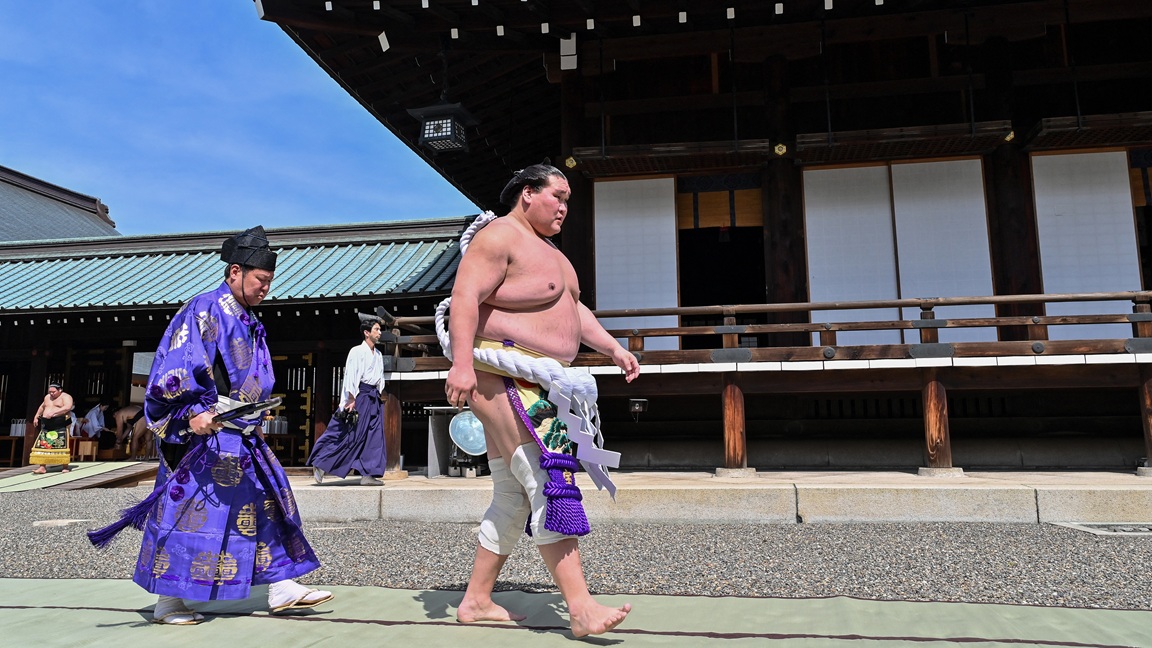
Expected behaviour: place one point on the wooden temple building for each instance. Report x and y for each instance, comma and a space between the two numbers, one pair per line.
843, 234
838, 233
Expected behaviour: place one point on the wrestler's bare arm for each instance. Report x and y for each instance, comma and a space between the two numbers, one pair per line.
481, 271
593, 334
66, 403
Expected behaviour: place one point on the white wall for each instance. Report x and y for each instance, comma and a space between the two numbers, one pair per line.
636, 253
1087, 235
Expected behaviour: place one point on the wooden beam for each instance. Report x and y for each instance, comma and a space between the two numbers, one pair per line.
938, 442
735, 440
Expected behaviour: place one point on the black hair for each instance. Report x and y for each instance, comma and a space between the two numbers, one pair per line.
536, 176
367, 324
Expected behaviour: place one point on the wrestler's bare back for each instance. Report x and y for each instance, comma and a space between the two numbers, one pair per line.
535, 304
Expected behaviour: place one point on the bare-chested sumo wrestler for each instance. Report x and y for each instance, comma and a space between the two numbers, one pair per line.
515, 288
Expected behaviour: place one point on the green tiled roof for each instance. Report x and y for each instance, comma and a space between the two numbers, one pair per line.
313, 270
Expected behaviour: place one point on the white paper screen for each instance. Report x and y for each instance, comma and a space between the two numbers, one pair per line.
851, 257
1087, 236
636, 253
942, 238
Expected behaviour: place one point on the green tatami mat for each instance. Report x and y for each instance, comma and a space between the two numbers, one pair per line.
116, 613
29, 481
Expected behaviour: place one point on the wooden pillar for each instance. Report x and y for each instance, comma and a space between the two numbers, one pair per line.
785, 248
938, 442
322, 404
735, 441
37, 375
1146, 408
392, 423
1014, 243
577, 241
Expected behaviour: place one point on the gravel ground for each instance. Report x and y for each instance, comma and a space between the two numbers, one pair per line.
1035, 564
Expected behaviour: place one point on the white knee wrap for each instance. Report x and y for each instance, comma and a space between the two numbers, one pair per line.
506, 516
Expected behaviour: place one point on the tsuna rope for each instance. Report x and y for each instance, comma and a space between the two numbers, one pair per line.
572, 390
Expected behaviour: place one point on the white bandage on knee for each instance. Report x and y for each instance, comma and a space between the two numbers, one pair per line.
506, 516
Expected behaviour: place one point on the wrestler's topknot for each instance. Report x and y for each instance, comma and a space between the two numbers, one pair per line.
535, 176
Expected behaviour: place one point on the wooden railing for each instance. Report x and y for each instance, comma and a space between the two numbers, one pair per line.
413, 336
1025, 332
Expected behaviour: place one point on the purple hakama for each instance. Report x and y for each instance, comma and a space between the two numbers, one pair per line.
223, 519
342, 448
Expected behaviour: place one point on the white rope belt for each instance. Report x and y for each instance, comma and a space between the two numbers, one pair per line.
573, 391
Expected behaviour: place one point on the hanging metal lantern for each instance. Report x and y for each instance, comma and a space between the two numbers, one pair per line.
442, 127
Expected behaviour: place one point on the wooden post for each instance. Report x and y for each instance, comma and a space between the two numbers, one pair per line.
1146, 408
1142, 329
735, 441
928, 335
937, 440
730, 340
322, 403
37, 377
392, 422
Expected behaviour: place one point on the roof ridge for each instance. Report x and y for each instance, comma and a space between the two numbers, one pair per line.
88, 203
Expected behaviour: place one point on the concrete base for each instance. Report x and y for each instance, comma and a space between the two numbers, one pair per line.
1144, 471
735, 472
903, 503
768, 498
941, 472
1099, 503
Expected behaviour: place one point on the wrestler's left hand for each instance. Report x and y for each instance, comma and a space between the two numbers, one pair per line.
627, 362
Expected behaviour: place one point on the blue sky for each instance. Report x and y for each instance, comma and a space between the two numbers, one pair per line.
194, 115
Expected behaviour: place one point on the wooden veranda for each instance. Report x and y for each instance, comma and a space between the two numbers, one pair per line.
1023, 356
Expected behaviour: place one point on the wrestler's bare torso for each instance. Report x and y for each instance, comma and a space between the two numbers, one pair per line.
62, 404
535, 304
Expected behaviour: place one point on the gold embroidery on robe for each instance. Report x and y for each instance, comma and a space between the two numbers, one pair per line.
209, 327
145, 551
246, 520
289, 502
250, 391
179, 338
229, 305
241, 351
192, 516
212, 567
263, 556
272, 510
174, 382
227, 471
295, 548
161, 562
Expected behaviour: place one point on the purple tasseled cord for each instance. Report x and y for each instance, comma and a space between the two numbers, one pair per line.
564, 513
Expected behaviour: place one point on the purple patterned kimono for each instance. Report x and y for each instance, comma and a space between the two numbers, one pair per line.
225, 518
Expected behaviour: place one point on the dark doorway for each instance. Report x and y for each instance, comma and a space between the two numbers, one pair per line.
720, 266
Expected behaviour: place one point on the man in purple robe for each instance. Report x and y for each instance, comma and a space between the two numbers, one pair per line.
354, 439
222, 517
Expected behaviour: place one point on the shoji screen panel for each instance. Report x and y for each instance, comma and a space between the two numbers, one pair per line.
851, 254
636, 252
942, 239
1087, 235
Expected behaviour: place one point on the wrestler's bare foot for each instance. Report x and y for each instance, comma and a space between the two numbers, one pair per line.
594, 619
40, 471
470, 612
